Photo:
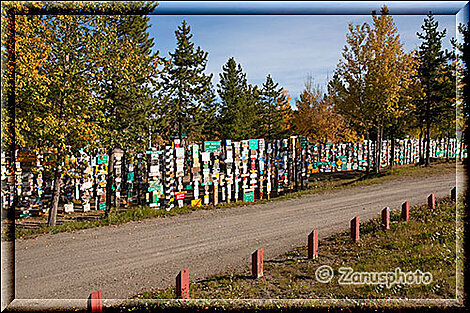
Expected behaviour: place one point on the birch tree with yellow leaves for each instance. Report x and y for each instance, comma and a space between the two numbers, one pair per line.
58, 65
371, 86
390, 74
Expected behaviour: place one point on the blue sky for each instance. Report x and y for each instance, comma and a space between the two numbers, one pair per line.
289, 47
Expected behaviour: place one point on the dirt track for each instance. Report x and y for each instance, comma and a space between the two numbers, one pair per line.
122, 260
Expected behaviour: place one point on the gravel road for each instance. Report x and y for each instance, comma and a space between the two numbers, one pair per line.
124, 259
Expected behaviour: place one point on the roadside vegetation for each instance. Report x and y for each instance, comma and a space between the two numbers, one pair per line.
427, 242
323, 182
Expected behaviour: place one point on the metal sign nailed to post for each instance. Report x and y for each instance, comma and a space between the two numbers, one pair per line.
249, 196
103, 159
253, 144
212, 146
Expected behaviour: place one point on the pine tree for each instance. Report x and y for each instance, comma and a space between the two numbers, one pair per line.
272, 110
239, 103
288, 115
462, 56
432, 76
347, 86
128, 79
186, 89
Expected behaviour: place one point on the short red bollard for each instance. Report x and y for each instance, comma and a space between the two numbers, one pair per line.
257, 263
313, 245
453, 194
182, 284
386, 218
405, 211
95, 302
355, 229
431, 202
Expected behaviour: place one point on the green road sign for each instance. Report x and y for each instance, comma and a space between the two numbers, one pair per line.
155, 188
249, 196
103, 159
253, 144
130, 176
212, 146
154, 152
102, 206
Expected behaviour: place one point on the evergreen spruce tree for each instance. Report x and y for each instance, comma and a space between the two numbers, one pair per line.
462, 57
238, 108
129, 76
186, 89
433, 75
272, 110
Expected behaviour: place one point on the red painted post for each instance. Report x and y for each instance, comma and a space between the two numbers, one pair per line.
182, 284
257, 263
386, 218
313, 245
95, 302
453, 194
431, 202
355, 229
405, 211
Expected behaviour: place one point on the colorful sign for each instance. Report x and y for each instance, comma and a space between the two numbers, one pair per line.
154, 152
253, 144
103, 159
212, 146
249, 196
196, 202
130, 176
180, 195
155, 188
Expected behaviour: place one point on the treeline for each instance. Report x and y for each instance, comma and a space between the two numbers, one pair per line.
82, 80
384, 91
89, 81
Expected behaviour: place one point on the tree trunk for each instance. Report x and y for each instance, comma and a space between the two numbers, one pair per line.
95, 183
55, 199
378, 150
428, 143
137, 183
420, 150
109, 181
461, 149
392, 152
447, 148
180, 129
368, 154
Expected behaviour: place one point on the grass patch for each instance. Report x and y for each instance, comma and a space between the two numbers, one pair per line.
427, 242
322, 182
